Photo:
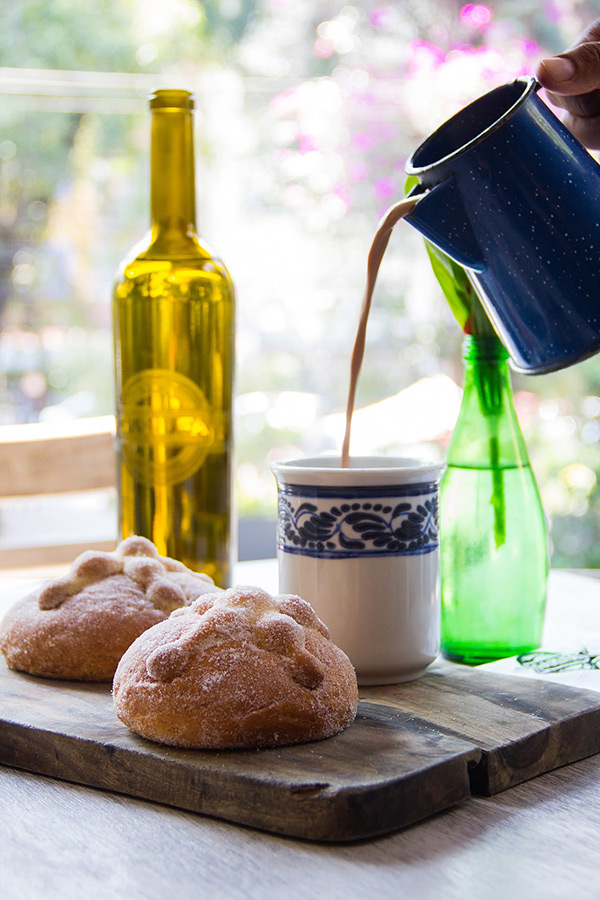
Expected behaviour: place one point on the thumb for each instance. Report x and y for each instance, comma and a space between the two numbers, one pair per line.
574, 72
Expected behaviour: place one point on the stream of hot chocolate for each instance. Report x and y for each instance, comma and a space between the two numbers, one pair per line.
376, 253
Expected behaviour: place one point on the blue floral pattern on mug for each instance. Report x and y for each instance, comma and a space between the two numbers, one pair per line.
392, 521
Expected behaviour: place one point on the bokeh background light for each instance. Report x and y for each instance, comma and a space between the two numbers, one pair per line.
306, 113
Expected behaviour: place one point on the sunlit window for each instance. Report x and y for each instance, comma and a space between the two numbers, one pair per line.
306, 113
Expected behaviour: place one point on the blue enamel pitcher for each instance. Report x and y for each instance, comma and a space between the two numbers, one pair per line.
512, 196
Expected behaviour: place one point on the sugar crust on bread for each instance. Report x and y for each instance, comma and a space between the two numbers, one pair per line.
78, 626
236, 669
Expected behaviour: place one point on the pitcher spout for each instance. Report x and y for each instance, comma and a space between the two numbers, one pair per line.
441, 218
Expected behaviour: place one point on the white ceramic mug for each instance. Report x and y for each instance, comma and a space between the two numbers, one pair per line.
361, 545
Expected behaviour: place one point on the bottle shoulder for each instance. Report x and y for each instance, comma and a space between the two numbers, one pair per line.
181, 263
487, 430
487, 436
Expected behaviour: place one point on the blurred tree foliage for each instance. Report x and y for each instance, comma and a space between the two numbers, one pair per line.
68, 34
323, 100
49, 153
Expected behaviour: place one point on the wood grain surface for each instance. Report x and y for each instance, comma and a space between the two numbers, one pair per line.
522, 726
382, 773
66, 841
413, 751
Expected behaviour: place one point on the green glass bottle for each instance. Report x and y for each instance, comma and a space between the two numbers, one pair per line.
173, 319
494, 546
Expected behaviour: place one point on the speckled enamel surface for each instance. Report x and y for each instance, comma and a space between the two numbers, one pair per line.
515, 198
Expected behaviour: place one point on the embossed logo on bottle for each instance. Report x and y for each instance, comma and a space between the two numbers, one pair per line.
166, 426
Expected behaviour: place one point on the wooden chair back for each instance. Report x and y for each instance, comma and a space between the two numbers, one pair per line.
48, 458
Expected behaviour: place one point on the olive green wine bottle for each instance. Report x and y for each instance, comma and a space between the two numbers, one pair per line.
173, 320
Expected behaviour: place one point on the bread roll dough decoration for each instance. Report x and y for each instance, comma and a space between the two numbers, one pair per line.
236, 669
77, 627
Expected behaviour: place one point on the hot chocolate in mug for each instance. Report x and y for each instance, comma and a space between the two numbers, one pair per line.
512, 196
361, 545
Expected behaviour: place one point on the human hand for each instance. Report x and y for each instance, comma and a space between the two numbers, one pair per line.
572, 80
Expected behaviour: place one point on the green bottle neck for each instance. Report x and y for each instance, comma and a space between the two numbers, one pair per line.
487, 431
488, 348
487, 377
172, 180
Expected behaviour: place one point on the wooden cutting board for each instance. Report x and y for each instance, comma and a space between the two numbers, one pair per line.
413, 750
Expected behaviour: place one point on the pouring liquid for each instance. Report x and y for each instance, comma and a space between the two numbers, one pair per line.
376, 254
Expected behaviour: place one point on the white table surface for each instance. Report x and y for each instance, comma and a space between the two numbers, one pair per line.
537, 840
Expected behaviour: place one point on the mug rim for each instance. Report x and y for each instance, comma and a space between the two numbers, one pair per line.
318, 470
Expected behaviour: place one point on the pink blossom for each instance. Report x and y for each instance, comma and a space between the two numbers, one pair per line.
363, 140
475, 15
323, 48
384, 188
423, 55
343, 193
378, 17
384, 131
306, 144
284, 104
358, 171
552, 12
530, 49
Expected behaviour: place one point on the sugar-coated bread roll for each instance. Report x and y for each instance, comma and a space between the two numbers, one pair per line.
236, 669
78, 627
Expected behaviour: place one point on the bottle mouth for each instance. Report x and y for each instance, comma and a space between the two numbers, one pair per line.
171, 99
